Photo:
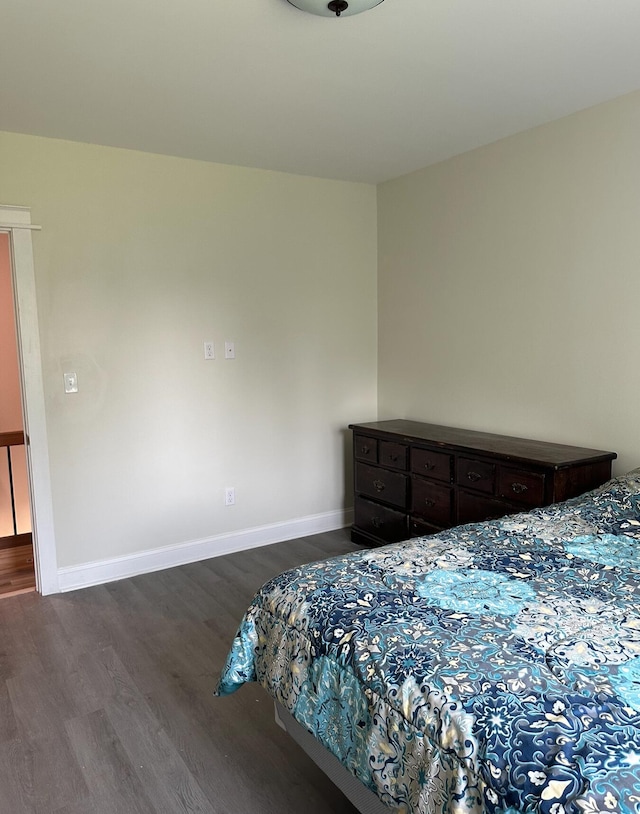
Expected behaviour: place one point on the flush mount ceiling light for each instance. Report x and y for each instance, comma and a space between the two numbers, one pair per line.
335, 8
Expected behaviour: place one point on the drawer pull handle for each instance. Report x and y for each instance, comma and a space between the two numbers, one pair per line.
429, 465
393, 458
429, 502
376, 522
378, 485
365, 450
474, 476
519, 488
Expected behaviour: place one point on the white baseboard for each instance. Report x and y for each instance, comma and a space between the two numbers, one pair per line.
144, 562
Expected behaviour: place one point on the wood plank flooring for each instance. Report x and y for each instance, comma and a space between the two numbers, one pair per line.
17, 573
106, 702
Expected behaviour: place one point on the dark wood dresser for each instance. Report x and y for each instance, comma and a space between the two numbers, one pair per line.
413, 479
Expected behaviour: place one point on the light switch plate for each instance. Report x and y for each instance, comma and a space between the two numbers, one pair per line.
70, 383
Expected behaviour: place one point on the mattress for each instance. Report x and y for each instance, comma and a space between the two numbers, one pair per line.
493, 667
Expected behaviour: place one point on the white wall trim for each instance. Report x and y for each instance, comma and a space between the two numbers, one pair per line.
33, 403
144, 562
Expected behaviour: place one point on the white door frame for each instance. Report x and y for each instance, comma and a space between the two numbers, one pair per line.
16, 220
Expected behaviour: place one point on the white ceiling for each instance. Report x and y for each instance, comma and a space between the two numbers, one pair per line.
259, 83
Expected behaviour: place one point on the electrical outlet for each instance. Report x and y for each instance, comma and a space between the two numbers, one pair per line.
209, 352
229, 496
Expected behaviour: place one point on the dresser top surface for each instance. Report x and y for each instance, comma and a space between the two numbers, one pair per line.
516, 449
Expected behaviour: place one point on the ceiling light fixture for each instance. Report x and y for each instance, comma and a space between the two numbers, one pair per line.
335, 8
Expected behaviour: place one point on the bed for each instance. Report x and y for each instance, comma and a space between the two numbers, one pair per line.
492, 667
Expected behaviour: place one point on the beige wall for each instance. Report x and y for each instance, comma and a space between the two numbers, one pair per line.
141, 259
509, 285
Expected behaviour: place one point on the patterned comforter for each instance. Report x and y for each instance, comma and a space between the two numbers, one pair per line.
493, 667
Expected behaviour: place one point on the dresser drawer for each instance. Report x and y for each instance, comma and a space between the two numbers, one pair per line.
433, 502
521, 486
365, 449
431, 464
393, 455
478, 475
475, 508
381, 484
387, 524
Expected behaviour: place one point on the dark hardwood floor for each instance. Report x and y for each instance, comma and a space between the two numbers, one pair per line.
106, 702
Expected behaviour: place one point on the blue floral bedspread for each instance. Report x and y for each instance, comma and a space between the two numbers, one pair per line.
493, 667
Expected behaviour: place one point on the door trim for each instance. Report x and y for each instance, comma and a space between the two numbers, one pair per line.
16, 220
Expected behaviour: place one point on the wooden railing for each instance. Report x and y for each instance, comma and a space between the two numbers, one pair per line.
16, 550
7, 441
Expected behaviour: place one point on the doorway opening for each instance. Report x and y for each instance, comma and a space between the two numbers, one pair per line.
25, 483
17, 572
